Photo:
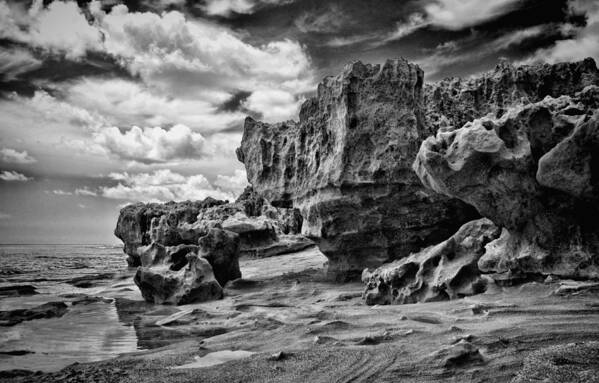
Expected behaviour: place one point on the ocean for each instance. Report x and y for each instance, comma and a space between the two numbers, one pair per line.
87, 332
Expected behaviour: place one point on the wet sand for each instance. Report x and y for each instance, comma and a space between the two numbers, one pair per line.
286, 323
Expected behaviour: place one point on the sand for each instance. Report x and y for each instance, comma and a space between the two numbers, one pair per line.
286, 323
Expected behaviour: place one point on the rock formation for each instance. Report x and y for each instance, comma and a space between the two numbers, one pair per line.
534, 172
178, 275
347, 166
264, 230
446, 271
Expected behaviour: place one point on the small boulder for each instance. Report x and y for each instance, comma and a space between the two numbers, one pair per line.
221, 249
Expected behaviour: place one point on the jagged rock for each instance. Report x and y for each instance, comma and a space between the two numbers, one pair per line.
534, 172
176, 277
446, 271
17, 290
134, 226
46, 310
347, 166
258, 223
221, 249
456, 101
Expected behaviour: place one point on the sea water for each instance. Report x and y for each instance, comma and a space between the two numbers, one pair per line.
87, 332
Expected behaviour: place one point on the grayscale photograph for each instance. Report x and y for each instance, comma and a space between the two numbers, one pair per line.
294, 191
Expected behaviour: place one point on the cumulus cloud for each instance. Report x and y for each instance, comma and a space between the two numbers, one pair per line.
10, 176
15, 157
59, 27
164, 185
228, 7
153, 144
583, 41
234, 184
15, 61
85, 192
460, 14
61, 192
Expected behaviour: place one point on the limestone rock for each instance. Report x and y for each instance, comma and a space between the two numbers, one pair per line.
347, 166
46, 310
185, 278
258, 223
534, 172
221, 249
137, 223
446, 271
456, 101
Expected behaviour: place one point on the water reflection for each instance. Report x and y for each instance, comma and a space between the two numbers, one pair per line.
86, 333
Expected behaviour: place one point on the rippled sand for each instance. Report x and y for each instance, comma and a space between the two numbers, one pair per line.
302, 328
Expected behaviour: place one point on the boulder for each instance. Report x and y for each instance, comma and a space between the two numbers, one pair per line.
445, 271
221, 249
532, 171
176, 276
346, 165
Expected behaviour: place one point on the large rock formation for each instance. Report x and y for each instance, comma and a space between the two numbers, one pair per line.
535, 172
263, 229
448, 270
347, 166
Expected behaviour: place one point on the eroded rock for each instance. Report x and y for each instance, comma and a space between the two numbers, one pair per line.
347, 166
448, 270
46, 310
534, 172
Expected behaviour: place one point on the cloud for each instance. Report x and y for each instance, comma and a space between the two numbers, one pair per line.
228, 7
274, 105
153, 144
166, 185
9, 176
59, 27
61, 192
85, 192
323, 21
234, 184
415, 21
15, 157
460, 14
16, 61
337, 42
4, 216
584, 42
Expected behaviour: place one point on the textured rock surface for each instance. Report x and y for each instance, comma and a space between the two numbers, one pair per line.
534, 172
456, 101
221, 249
446, 271
176, 276
347, 166
46, 310
259, 225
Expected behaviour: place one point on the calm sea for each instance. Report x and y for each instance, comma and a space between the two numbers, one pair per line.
87, 332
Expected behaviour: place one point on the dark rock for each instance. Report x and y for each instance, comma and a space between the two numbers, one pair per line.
347, 166
533, 172
221, 249
17, 290
16, 352
47, 310
88, 281
446, 271
459, 354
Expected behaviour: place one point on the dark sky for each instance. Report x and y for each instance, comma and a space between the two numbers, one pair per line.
104, 103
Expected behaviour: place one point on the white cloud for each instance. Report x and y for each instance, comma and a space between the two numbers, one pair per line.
235, 184
161, 186
323, 21
584, 43
414, 22
4, 215
15, 61
275, 105
9, 176
153, 144
61, 192
60, 27
228, 7
15, 157
85, 192
459, 14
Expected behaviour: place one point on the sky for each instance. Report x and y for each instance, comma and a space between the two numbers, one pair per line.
104, 103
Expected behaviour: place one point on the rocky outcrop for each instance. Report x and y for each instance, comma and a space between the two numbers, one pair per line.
347, 166
534, 172
44, 311
456, 101
263, 229
177, 275
448, 270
